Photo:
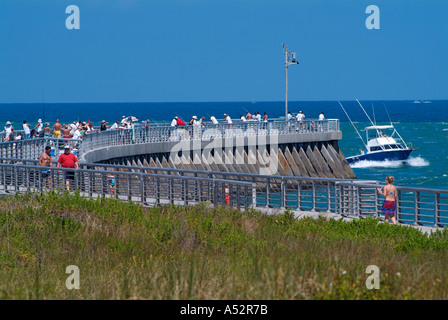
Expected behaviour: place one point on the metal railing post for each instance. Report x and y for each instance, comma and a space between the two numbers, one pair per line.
254, 195
142, 188
283, 193
416, 207
436, 209
314, 196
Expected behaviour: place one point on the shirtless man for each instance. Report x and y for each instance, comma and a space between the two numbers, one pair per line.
57, 129
45, 161
47, 131
66, 131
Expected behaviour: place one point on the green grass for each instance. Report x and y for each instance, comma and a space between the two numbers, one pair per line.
125, 251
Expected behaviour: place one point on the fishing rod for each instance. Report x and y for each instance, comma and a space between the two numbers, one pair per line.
376, 129
353, 124
387, 113
373, 110
365, 112
43, 107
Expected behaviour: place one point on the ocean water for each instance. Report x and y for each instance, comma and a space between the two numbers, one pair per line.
424, 125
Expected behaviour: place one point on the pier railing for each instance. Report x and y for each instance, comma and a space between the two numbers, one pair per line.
146, 188
33, 148
155, 134
347, 198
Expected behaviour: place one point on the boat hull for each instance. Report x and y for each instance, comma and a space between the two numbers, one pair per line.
392, 155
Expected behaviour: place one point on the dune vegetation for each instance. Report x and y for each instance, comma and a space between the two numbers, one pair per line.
127, 251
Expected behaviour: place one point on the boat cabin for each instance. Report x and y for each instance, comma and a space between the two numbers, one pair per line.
384, 137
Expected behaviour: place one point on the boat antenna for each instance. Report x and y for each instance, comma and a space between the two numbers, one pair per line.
353, 124
395, 131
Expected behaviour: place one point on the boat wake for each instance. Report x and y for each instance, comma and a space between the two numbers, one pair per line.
412, 162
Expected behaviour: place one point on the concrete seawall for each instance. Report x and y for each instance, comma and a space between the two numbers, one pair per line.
315, 154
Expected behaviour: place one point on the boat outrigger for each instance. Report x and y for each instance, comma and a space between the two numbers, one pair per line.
383, 143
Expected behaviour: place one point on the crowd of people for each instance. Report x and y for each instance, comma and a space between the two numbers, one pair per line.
74, 130
300, 116
178, 122
256, 116
78, 129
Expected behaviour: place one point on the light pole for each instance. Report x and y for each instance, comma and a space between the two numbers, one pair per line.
290, 58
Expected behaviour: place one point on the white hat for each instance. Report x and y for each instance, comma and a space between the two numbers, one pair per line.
40, 120
66, 146
194, 117
8, 123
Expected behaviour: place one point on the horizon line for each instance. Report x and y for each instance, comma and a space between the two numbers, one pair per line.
232, 101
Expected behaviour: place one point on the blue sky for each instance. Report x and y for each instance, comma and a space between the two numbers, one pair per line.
222, 50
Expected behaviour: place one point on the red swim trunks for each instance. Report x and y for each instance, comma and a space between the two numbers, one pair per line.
389, 207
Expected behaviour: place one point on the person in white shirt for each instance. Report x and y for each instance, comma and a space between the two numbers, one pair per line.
77, 134
39, 127
8, 130
321, 119
115, 125
243, 118
300, 117
26, 129
213, 119
258, 116
72, 127
174, 122
289, 116
227, 118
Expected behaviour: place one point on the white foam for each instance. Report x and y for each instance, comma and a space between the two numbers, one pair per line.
413, 162
417, 162
372, 164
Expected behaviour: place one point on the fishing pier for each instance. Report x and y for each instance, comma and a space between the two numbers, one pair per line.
268, 166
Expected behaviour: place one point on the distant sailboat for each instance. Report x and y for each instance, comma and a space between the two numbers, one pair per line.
421, 101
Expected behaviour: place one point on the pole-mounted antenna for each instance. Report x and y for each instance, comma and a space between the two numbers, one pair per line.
290, 58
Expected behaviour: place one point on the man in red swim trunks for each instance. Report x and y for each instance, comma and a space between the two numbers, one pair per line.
68, 160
